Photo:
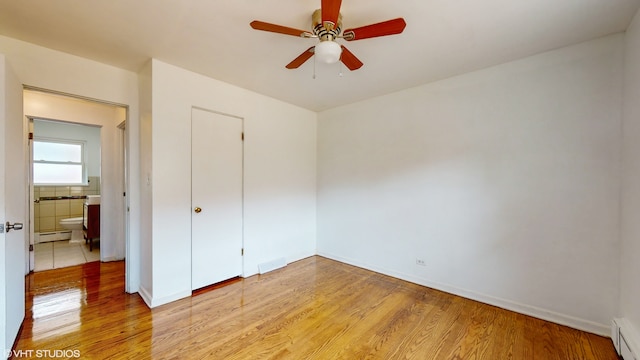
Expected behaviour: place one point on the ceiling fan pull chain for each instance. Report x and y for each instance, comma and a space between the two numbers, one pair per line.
314, 67
340, 72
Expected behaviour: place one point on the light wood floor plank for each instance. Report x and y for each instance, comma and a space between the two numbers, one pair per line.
312, 309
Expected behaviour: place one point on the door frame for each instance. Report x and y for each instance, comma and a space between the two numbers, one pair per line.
242, 187
129, 261
123, 148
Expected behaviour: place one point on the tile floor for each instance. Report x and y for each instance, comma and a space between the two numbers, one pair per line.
58, 254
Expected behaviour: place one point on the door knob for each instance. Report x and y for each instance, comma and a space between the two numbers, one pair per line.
16, 226
197, 210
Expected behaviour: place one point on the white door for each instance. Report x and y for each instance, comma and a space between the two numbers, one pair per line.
216, 197
13, 185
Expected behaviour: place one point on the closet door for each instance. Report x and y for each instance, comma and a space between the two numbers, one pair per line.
216, 197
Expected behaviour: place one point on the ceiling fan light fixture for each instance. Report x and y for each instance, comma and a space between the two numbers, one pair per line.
328, 52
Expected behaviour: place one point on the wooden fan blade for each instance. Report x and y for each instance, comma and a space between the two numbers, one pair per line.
350, 60
261, 25
389, 27
330, 12
301, 59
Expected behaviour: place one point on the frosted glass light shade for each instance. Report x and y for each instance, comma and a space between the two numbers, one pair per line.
328, 52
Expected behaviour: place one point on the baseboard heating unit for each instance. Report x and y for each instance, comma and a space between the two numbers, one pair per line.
51, 236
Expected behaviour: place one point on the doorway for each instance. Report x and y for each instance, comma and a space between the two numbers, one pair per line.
104, 177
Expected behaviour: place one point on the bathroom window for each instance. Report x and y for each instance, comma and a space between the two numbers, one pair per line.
59, 162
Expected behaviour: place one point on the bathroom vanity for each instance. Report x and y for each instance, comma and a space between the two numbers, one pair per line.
91, 223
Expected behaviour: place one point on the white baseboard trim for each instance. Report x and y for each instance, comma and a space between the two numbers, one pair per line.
300, 256
111, 258
155, 302
555, 317
271, 265
629, 335
144, 294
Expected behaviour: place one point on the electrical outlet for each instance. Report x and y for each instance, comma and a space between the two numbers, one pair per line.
420, 262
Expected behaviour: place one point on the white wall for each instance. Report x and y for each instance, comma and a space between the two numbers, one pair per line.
107, 118
630, 254
279, 176
60, 130
49, 69
504, 181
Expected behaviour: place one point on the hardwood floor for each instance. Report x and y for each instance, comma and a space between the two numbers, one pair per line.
312, 309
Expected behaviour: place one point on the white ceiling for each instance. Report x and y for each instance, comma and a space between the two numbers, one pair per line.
443, 38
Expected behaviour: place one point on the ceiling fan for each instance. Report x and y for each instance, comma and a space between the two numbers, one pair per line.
327, 27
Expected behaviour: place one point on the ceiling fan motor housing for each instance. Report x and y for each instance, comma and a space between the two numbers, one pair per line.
326, 31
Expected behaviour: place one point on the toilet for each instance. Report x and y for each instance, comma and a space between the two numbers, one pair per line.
75, 225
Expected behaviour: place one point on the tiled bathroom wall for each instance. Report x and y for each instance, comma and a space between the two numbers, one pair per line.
47, 213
